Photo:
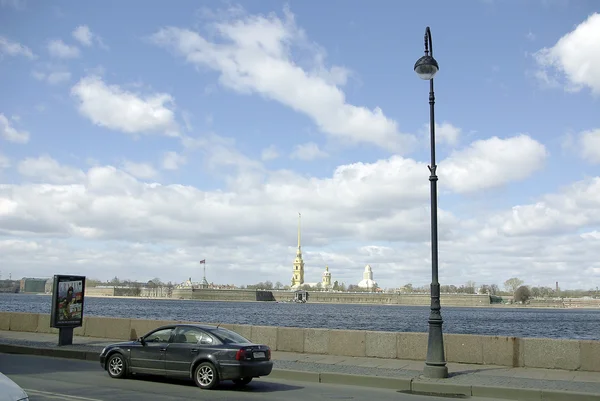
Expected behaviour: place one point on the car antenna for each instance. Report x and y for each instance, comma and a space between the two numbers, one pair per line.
218, 324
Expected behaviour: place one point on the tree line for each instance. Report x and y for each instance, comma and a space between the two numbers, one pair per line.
514, 287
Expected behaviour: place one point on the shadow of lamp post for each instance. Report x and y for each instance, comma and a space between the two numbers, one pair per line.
435, 364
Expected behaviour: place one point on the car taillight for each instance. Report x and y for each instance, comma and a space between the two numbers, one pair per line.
240, 355
268, 354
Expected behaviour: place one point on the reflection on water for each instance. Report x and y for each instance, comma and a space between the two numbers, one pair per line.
552, 323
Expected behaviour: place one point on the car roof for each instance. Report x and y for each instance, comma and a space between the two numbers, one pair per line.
194, 325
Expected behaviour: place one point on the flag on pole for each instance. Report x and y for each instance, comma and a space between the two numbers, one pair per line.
203, 262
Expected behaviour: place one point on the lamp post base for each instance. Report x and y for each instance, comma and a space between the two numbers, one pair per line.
435, 372
435, 363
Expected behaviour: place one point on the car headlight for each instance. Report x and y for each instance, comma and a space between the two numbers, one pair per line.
103, 351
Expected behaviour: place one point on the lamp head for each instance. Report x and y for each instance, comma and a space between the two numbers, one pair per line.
426, 67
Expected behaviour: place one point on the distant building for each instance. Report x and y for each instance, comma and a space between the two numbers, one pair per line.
367, 281
33, 285
298, 271
48, 286
326, 282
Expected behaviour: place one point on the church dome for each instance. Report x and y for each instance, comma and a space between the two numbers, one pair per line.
367, 281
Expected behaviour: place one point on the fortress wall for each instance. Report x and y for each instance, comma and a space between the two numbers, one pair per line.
386, 299
314, 296
224, 295
547, 353
99, 292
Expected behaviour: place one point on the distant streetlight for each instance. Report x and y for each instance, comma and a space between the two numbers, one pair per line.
435, 364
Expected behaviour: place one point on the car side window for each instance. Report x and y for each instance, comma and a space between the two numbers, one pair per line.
160, 336
187, 335
206, 339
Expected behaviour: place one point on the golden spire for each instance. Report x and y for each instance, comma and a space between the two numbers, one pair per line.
299, 217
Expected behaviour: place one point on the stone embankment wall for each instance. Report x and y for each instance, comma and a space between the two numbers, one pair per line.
504, 351
386, 299
314, 296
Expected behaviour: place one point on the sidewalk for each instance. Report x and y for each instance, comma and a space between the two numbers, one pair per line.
476, 380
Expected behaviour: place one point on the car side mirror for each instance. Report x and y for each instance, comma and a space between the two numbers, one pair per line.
142, 341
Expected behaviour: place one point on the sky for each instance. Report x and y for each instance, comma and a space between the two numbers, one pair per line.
137, 140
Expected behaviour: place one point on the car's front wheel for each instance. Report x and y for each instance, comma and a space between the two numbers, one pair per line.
116, 366
206, 376
242, 381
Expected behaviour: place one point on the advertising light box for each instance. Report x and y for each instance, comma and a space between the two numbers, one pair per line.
67, 301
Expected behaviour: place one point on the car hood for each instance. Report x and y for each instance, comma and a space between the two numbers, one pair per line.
10, 389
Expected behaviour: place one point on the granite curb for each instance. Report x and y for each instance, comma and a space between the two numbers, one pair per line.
415, 385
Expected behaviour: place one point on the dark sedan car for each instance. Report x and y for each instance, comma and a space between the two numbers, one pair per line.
207, 354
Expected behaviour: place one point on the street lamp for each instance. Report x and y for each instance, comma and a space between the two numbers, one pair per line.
435, 364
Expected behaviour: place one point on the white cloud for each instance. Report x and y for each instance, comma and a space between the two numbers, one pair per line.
58, 48
58, 77
308, 151
187, 120
139, 170
53, 78
117, 109
492, 162
11, 48
109, 204
83, 35
181, 212
11, 134
593, 235
47, 170
4, 162
576, 206
590, 145
86, 37
447, 133
380, 210
575, 57
269, 153
172, 160
444, 133
256, 56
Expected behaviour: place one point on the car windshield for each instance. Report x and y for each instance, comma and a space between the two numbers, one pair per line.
228, 336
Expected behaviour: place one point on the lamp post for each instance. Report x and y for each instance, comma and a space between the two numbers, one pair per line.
435, 364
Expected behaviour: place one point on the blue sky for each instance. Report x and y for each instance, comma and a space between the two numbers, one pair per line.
159, 136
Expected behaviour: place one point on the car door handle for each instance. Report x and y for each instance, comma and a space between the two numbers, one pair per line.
194, 350
163, 349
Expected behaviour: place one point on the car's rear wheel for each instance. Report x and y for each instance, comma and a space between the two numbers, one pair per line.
206, 376
116, 366
242, 381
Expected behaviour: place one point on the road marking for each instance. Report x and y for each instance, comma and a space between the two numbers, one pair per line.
59, 396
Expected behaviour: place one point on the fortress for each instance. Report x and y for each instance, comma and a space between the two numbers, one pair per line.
297, 281
326, 294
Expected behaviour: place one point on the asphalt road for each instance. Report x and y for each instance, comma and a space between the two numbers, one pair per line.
45, 379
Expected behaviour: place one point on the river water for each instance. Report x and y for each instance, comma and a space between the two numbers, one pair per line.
491, 321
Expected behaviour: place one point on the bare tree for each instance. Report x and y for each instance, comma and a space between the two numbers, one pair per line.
512, 284
494, 290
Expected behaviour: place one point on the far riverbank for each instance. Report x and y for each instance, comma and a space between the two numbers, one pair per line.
499, 306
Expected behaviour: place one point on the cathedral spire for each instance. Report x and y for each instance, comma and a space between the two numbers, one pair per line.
298, 272
299, 217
